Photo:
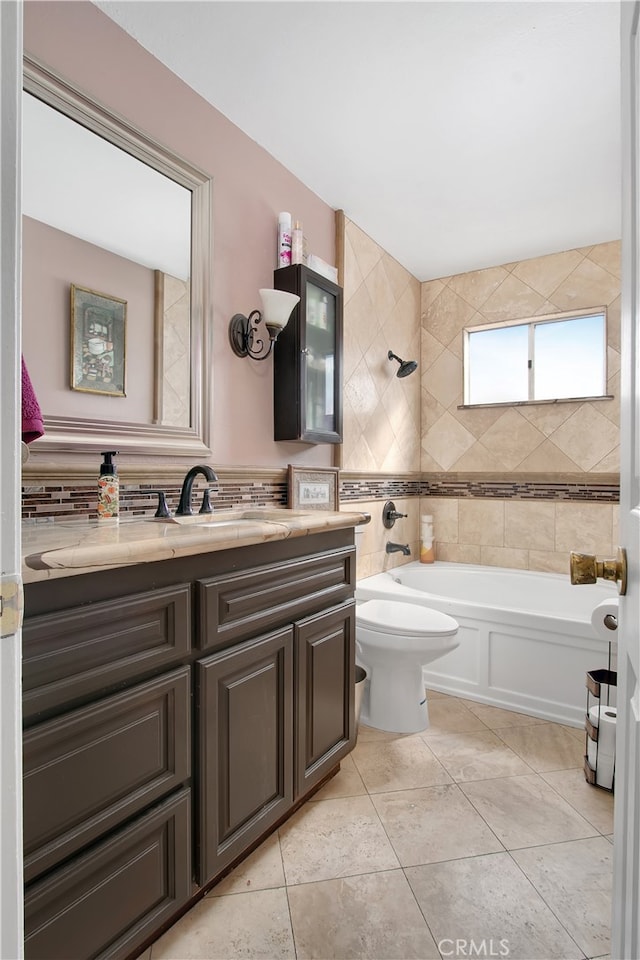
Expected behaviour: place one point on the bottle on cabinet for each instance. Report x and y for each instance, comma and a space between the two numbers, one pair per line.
323, 313
297, 243
284, 239
427, 553
108, 487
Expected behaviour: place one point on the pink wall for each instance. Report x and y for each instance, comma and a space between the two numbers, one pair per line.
250, 188
51, 261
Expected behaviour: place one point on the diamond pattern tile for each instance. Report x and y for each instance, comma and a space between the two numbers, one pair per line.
395, 426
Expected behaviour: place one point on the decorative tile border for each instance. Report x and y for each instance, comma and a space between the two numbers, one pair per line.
373, 488
524, 490
78, 498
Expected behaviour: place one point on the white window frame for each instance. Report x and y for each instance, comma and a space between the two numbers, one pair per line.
532, 323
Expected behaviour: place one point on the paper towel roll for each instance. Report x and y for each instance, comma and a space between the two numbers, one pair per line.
607, 608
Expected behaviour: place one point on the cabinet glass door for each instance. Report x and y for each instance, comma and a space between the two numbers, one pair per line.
320, 356
307, 371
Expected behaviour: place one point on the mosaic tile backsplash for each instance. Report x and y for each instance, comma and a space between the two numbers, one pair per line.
78, 500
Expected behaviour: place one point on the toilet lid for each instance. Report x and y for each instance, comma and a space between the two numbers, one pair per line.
404, 619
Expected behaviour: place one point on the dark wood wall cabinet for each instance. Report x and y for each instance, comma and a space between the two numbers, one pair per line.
174, 713
307, 365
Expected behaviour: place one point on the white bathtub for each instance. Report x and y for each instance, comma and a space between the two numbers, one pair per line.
526, 640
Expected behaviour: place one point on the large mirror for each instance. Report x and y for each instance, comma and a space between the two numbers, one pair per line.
116, 279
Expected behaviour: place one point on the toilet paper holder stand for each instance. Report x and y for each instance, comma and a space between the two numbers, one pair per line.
596, 680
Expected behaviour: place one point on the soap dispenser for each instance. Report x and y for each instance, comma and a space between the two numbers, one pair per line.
108, 487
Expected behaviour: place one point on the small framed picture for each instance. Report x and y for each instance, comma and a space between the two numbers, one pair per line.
313, 489
98, 337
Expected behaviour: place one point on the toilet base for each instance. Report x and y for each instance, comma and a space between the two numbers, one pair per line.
396, 701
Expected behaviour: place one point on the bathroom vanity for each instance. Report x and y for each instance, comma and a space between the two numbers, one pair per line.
176, 709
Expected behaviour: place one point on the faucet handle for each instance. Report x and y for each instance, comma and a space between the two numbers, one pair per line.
206, 502
390, 514
163, 509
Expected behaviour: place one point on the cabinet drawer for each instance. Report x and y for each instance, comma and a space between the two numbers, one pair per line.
237, 606
68, 656
107, 901
89, 769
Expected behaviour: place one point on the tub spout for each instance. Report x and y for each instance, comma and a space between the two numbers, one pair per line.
398, 548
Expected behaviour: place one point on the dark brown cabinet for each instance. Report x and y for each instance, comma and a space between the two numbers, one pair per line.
245, 726
174, 714
325, 691
307, 370
106, 902
91, 768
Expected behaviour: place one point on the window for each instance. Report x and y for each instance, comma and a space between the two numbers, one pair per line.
557, 357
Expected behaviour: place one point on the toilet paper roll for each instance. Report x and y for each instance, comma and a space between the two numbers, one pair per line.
604, 768
603, 630
604, 718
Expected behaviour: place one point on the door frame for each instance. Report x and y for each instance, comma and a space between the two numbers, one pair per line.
11, 891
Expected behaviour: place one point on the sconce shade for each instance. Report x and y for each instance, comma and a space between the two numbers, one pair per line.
277, 306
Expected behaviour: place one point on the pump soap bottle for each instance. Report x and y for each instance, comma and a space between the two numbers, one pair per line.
108, 488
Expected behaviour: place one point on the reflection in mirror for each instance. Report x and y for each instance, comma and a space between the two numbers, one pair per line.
108, 210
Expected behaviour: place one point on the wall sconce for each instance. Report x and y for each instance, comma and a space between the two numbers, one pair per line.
406, 366
277, 307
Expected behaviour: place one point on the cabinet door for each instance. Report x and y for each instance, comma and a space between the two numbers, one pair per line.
325, 693
245, 727
308, 360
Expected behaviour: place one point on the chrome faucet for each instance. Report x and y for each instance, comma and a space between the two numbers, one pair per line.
398, 548
184, 507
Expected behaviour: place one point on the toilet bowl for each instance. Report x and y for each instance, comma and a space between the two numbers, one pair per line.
394, 640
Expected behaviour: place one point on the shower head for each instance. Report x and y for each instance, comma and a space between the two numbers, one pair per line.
406, 366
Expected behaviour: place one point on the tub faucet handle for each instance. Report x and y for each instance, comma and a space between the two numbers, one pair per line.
390, 514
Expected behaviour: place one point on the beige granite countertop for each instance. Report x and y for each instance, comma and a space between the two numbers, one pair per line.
64, 548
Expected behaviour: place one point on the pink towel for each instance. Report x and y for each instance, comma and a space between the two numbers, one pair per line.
32, 424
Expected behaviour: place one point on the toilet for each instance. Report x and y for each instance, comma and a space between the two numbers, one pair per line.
394, 640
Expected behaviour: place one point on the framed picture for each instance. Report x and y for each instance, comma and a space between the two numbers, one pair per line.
313, 489
98, 332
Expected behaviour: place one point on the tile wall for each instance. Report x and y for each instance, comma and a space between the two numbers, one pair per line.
539, 438
519, 486
523, 534
175, 360
381, 313
372, 557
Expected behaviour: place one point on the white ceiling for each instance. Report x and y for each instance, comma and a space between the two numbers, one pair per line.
458, 135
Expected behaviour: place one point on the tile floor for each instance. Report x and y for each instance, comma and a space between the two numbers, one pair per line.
478, 834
